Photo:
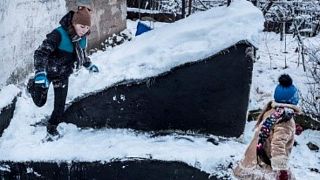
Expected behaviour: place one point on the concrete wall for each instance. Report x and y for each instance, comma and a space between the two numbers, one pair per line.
108, 17
24, 24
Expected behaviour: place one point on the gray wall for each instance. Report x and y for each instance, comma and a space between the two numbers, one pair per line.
24, 24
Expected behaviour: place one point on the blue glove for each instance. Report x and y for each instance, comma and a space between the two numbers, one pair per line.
41, 79
93, 68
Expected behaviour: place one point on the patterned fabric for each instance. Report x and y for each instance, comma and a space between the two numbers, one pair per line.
281, 114
82, 58
277, 146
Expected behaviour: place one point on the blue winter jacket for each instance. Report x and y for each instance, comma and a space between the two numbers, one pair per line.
56, 55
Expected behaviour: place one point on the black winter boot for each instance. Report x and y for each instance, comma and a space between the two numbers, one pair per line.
52, 133
52, 129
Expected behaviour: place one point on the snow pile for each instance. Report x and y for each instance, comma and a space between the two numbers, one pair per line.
7, 94
197, 37
302, 159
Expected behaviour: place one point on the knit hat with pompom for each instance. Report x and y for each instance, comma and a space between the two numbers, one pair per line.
285, 91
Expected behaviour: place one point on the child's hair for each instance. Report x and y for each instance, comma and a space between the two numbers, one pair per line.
71, 30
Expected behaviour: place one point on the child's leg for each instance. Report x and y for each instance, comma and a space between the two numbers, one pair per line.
38, 93
60, 95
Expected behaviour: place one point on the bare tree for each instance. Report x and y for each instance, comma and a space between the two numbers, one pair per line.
311, 102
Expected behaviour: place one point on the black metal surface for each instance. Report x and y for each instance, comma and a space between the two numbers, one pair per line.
210, 96
118, 170
6, 114
159, 17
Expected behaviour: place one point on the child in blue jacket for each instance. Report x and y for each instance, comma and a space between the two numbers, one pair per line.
63, 50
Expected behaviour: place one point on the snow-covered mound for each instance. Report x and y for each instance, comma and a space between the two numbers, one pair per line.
192, 39
199, 36
8, 98
7, 94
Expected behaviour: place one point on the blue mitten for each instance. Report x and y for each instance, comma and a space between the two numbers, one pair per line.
41, 79
93, 68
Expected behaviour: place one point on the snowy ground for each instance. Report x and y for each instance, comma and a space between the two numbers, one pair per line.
270, 64
22, 142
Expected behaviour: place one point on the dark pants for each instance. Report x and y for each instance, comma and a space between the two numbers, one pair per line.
60, 95
39, 96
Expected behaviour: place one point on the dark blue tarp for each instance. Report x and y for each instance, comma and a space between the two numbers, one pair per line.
142, 28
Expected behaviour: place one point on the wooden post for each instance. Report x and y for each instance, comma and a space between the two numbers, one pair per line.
183, 8
228, 3
190, 7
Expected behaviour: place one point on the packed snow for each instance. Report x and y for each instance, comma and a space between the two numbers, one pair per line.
192, 39
7, 94
169, 45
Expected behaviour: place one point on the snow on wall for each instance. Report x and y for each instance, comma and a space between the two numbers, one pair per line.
7, 94
24, 24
